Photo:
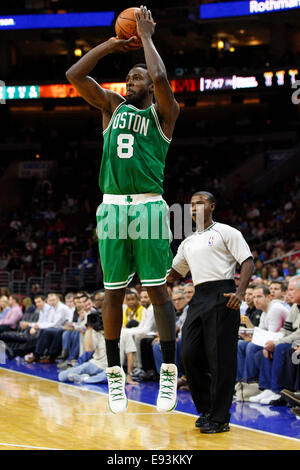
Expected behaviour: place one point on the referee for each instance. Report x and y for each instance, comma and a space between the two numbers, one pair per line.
210, 332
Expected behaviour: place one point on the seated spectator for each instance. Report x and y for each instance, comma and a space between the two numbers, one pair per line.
27, 336
141, 332
94, 369
181, 307
27, 305
13, 316
252, 315
274, 275
5, 291
69, 302
182, 382
91, 368
4, 307
273, 363
88, 260
132, 310
260, 270
127, 354
31, 245
51, 332
278, 291
35, 290
98, 299
19, 342
88, 307
71, 335
272, 319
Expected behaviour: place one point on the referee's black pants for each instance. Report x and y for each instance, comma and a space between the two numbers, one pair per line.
209, 349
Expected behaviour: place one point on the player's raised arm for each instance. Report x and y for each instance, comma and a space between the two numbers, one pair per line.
166, 105
89, 89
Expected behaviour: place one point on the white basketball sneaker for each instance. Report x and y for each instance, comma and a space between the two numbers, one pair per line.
117, 399
167, 395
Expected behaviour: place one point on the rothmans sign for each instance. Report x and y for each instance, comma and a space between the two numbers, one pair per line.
246, 8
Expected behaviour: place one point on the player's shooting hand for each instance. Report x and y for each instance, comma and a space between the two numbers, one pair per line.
122, 45
234, 301
144, 22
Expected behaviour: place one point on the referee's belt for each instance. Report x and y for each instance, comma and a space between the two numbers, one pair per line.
126, 199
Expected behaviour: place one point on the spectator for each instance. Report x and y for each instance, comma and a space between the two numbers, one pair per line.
273, 364
27, 305
182, 382
31, 245
132, 310
98, 299
274, 275
69, 302
35, 290
17, 342
278, 291
88, 260
4, 307
260, 271
71, 337
93, 370
252, 314
13, 316
143, 330
49, 249
51, 332
127, 353
14, 263
179, 299
272, 319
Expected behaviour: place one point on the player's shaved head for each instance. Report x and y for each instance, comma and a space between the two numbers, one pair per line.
209, 196
144, 67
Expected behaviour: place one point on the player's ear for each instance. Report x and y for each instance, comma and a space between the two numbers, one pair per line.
151, 88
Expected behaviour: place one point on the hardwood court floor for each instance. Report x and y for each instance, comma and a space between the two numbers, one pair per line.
38, 413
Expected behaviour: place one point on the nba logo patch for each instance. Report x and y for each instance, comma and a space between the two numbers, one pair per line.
211, 240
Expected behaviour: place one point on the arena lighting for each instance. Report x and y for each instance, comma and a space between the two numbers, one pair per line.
57, 20
245, 8
185, 85
78, 52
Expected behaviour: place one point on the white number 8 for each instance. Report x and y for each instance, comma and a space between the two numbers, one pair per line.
125, 145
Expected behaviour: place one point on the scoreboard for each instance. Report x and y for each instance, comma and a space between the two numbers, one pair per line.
198, 85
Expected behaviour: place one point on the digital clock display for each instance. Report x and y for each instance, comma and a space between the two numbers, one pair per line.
227, 83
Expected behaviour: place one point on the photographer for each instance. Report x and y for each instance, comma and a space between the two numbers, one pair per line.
92, 371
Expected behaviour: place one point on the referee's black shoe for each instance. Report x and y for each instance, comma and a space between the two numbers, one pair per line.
202, 420
213, 427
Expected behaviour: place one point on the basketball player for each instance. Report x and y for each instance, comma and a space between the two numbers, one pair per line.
137, 135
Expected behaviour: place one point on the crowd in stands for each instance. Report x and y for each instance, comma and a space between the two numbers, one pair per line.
68, 331
57, 216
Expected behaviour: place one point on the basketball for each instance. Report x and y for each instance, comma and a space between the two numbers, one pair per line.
125, 27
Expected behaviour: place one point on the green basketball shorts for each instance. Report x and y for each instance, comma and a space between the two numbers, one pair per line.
134, 237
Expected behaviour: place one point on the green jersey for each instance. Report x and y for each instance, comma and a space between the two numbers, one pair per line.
134, 152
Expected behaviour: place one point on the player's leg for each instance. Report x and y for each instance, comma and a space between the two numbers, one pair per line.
116, 261
112, 315
153, 258
165, 318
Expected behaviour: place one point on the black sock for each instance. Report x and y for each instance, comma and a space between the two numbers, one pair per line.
168, 351
113, 352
